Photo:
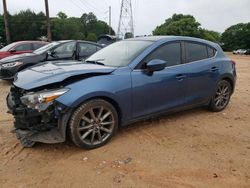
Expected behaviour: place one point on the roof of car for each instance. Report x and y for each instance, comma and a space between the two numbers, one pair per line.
29, 41
63, 41
150, 38
171, 38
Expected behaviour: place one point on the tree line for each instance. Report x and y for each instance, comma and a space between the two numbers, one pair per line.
234, 37
28, 25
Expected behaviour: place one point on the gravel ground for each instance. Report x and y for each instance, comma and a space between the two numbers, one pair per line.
195, 148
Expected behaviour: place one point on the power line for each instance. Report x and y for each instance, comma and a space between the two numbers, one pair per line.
77, 6
104, 1
90, 6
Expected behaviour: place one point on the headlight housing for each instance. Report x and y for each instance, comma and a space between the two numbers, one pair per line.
12, 64
43, 99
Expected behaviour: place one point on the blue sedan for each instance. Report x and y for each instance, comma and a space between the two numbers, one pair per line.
125, 82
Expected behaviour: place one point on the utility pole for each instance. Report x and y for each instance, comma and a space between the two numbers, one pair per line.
6, 23
110, 20
126, 23
48, 20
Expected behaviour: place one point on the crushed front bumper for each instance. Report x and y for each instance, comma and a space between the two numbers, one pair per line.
48, 126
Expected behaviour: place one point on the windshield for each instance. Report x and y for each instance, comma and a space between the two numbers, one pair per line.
45, 48
8, 47
119, 54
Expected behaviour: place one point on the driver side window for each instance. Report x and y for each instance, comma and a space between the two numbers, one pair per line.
65, 50
171, 53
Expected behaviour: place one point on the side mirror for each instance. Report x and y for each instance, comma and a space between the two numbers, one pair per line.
12, 51
51, 53
156, 65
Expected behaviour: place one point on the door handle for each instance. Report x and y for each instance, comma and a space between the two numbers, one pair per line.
214, 69
180, 77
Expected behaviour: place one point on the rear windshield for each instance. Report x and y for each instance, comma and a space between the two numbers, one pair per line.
45, 48
8, 47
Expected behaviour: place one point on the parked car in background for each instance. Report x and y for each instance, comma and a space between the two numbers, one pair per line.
61, 50
106, 39
20, 48
124, 82
247, 52
239, 51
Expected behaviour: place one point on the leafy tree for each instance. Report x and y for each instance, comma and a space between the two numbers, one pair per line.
179, 24
70, 28
62, 15
185, 25
91, 37
92, 25
128, 35
236, 37
210, 35
27, 25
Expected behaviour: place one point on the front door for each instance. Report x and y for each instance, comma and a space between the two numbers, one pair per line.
162, 90
66, 51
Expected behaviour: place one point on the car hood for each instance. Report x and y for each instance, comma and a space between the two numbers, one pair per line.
56, 72
19, 57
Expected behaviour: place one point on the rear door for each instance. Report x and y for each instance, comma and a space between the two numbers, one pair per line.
162, 90
203, 71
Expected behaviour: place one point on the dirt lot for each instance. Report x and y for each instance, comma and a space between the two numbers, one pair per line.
195, 148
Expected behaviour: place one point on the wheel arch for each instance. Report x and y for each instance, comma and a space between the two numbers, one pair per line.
112, 101
65, 122
230, 79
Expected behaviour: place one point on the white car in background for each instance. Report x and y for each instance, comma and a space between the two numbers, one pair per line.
240, 51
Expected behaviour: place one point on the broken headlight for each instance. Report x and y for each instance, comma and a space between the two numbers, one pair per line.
43, 99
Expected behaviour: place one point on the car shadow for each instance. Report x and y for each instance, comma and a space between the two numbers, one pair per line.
68, 147
6, 82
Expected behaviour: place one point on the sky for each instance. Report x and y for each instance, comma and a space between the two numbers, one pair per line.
214, 15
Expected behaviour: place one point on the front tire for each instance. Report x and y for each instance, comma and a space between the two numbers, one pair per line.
93, 124
221, 97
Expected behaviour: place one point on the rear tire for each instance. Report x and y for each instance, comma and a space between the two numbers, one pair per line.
93, 124
221, 96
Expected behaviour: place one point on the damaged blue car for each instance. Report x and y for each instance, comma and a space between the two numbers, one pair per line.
123, 83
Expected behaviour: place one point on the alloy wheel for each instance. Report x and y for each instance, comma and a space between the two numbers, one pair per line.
222, 96
96, 125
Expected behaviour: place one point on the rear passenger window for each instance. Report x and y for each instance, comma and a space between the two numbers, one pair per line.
37, 45
171, 53
195, 52
211, 52
86, 49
